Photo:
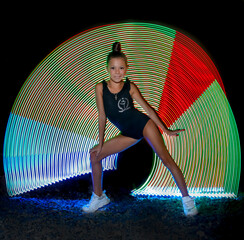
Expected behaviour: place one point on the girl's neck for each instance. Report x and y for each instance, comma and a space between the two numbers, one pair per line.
115, 86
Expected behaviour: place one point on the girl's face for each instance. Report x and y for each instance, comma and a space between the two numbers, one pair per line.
117, 69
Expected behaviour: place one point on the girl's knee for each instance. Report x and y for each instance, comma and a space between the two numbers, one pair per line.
93, 157
168, 162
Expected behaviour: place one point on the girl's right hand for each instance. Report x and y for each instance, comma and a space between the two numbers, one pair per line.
97, 149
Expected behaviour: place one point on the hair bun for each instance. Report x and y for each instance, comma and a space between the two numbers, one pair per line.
116, 52
116, 47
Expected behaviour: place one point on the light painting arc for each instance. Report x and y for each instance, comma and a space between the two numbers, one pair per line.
53, 122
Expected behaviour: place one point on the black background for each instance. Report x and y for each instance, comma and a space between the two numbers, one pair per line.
30, 32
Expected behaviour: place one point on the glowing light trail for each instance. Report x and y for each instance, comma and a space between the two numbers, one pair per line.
53, 122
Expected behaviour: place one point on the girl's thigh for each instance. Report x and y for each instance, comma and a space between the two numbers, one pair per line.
116, 145
154, 138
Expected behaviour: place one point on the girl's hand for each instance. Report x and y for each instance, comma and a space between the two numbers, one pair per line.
97, 149
174, 132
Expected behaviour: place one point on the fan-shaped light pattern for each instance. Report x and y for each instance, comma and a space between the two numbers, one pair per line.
209, 152
210, 137
53, 122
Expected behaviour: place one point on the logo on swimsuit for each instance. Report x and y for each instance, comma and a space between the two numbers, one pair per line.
123, 105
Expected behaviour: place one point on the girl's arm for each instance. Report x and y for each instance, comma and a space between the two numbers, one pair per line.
135, 94
101, 117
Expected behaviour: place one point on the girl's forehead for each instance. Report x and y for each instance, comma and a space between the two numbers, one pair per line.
117, 60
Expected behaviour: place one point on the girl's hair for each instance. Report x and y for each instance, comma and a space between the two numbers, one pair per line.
116, 53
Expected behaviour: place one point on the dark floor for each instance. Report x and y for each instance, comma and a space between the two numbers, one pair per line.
55, 213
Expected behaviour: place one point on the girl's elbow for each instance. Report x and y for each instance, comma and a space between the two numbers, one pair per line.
102, 117
150, 112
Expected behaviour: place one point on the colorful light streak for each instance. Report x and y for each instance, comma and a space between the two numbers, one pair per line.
53, 122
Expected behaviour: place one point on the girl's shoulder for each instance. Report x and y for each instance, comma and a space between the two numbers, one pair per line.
99, 86
134, 88
130, 83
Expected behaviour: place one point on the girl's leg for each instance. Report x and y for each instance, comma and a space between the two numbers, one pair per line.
154, 138
112, 146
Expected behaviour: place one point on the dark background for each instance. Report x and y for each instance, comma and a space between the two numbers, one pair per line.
30, 32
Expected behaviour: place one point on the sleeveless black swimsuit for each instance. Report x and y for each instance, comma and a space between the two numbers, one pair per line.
119, 109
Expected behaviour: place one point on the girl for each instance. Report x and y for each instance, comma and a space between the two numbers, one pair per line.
114, 100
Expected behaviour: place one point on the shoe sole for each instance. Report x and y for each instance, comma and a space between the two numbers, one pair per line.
191, 214
86, 210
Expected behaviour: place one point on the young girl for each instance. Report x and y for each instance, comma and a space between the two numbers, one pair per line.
114, 100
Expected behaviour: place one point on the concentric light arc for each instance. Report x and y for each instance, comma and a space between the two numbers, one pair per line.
53, 122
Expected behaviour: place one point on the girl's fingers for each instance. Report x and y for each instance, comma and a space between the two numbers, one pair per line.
176, 132
92, 150
180, 130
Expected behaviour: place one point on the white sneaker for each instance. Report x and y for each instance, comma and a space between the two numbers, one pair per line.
189, 206
96, 202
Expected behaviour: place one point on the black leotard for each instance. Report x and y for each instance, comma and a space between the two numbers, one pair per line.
120, 110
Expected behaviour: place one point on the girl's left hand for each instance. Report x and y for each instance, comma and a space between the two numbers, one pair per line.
97, 149
174, 132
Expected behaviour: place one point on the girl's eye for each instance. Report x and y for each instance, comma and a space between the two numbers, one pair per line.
112, 68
